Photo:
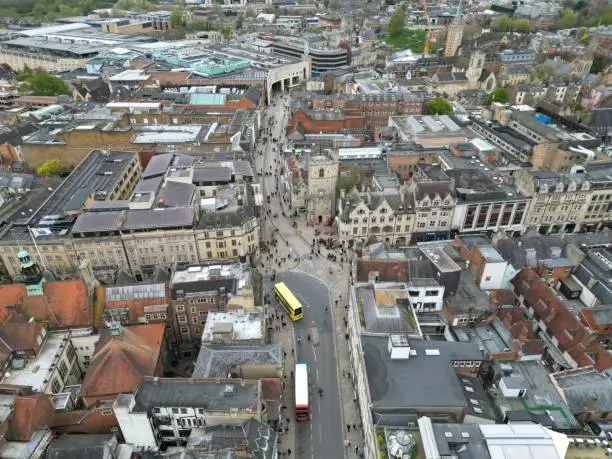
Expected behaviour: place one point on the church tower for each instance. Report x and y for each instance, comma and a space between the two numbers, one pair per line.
454, 34
322, 177
474, 71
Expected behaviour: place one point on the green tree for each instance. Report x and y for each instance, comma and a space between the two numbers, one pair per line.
501, 95
42, 84
239, 22
575, 106
397, 23
599, 63
568, 19
584, 37
50, 167
439, 106
176, 18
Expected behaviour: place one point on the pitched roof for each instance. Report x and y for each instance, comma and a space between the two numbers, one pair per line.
91, 421
32, 412
21, 336
62, 304
578, 341
122, 360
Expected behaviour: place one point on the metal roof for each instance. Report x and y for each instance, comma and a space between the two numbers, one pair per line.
136, 292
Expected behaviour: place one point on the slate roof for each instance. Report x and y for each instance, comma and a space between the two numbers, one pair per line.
256, 439
600, 117
215, 361
100, 446
213, 394
447, 77
585, 389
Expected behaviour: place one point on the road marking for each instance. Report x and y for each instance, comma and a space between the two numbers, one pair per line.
320, 435
303, 300
318, 376
315, 354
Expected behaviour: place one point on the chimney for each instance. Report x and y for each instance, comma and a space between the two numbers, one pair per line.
399, 347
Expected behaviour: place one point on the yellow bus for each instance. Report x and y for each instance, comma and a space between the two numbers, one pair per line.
288, 301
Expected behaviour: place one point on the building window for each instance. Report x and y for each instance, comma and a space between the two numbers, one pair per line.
55, 386
487, 279
321, 173
431, 293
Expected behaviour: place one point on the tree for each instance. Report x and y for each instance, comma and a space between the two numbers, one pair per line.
599, 63
50, 167
239, 22
500, 95
568, 19
176, 18
397, 23
40, 83
439, 106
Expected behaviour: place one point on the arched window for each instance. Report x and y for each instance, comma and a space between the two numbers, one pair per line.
321, 173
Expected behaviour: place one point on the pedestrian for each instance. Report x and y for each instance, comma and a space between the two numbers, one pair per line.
356, 449
292, 377
292, 351
348, 427
346, 336
346, 443
287, 419
343, 373
349, 375
308, 336
285, 354
325, 308
354, 426
288, 451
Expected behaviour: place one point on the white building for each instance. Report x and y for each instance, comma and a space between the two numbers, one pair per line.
163, 411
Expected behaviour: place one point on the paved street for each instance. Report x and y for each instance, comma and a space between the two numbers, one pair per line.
310, 279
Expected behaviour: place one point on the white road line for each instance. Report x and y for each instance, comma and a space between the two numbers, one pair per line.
317, 376
320, 435
315, 355
303, 300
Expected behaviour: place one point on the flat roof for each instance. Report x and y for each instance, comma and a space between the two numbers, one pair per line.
405, 383
168, 133
211, 394
215, 361
242, 325
38, 370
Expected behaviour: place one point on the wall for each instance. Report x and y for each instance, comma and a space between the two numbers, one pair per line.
495, 272
84, 347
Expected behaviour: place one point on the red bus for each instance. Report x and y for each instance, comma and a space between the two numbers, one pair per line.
302, 407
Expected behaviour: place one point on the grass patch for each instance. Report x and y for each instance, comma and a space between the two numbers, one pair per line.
413, 39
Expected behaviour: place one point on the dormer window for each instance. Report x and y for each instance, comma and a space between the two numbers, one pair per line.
436, 203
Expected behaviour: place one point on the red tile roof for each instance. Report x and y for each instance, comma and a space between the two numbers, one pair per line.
121, 361
22, 336
388, 270
93, 421
271, 388
63, 304
579, 342
32, 412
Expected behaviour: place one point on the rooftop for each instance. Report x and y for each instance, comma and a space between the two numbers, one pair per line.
540, 393
241, 325
211, 394
230, 276
424, 374
36, 372
386, 309
217, 361
585, 389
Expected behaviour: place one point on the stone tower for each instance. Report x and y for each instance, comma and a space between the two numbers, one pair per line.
454, 34
474, 71
322, 177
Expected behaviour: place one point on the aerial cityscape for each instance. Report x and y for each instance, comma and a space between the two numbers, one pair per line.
333, 229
